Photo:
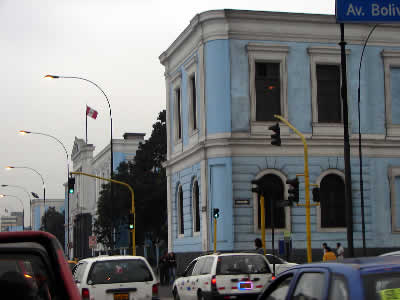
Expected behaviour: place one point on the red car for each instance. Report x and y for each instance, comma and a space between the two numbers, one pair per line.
33, 266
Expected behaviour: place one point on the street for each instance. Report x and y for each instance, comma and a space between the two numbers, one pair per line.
165, 292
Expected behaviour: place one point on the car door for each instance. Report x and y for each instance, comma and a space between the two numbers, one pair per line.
278, 289
78, 273
200, 275
183, 283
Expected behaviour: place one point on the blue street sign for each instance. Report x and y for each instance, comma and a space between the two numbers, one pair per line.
368, 11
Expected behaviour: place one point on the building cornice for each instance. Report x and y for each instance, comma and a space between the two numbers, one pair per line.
374, 146
271, 26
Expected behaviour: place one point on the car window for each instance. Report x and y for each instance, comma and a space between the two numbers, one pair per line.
119, 271
207, 268
274, 259
310, 286
25, 277
197, 270
242, 264
279, 289
189, 269
338, 289
79, 270
381, 286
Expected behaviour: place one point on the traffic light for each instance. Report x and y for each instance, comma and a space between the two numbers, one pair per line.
276, 136
316, 194
293, 190
216, 213
71, 185
131, 221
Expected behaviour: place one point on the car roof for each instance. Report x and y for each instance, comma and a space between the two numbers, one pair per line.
363, 264
391, 253
112, 257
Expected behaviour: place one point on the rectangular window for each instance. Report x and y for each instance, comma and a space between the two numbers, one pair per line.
178, 103
268, 90
328, 94
194, 108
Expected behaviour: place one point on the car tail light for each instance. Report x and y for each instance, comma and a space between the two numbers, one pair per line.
214, 281
155, 290
273, 278
85, 294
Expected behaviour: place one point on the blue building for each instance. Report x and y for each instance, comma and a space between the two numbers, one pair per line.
226, 75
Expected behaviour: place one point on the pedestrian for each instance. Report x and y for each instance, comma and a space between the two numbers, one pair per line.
171, 267
329, 254
339, 251
163, 265
258, 245
324, 245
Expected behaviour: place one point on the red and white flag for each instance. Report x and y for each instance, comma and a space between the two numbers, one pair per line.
91, 112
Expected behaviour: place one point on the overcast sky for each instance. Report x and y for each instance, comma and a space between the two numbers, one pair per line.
114, 43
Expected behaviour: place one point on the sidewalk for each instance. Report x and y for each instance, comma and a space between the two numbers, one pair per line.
164, 291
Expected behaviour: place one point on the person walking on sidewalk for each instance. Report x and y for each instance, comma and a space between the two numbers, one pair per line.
163, 265
171, 267
329, 254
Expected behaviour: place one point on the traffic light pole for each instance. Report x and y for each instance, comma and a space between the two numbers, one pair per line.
262, 208
307, 186
215, 235
133, 201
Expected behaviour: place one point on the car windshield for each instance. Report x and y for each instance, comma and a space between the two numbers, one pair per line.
382, 286
242, 264
119, 271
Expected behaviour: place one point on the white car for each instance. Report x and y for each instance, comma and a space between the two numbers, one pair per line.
280, 264
115, 278
223, 276
394, 253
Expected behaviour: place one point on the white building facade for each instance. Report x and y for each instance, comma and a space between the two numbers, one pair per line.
83, 202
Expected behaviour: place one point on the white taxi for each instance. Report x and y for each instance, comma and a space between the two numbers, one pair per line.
115, 278
223, 276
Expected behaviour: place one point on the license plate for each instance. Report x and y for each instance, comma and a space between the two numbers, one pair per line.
247, 285
121, 296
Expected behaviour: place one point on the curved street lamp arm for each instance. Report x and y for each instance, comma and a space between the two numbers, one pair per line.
81, 78
53, 137
361, 58
33, 171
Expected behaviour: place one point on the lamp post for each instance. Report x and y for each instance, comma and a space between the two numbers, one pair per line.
44, 188
29, 197
111, 137
24, 132
23, 210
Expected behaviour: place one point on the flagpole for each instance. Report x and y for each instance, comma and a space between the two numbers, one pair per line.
86, 122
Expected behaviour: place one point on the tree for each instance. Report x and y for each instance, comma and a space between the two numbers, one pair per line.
54, 223
147, 177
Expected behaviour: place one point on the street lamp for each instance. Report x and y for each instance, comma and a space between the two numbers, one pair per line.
109, 106
23, 210
44, 188
24, 132
29, 197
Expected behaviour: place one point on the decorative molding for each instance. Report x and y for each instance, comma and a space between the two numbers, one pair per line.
288, 221
391, 58
393, 172
268, 53
190, 63
318, 208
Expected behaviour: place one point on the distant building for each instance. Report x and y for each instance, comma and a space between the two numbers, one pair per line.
83, 202
37, 210
13, 222
226, 76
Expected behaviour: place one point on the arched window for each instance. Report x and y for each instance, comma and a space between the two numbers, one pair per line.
181, 226
196, 205
275, 192
333, 208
